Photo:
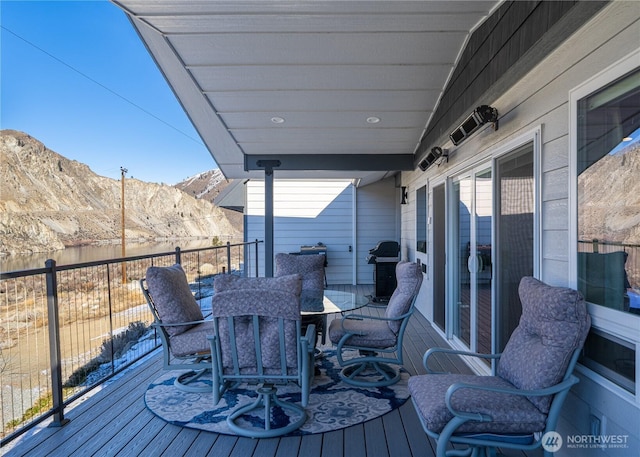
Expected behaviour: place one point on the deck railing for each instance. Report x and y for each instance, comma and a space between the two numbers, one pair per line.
65, 329
632, 264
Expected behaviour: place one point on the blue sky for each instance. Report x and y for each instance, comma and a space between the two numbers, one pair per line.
75, 75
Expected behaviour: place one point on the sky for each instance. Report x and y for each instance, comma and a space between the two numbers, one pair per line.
76, 76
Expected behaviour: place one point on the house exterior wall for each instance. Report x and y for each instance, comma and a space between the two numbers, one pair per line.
307, 212
377, 220
537, 108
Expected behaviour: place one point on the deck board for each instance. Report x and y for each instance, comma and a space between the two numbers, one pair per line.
114, 421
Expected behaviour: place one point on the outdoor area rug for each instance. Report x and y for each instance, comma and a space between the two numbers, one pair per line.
333, 404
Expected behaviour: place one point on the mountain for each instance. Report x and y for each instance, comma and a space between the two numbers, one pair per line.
204, 186
207, 186
48, 202
612, 190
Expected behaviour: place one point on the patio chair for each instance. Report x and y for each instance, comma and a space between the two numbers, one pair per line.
371, 335
179, 321
522, 402
257, 338
311, 268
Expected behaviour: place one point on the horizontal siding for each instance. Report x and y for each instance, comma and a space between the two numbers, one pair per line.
541, 99
377, 221
307, 213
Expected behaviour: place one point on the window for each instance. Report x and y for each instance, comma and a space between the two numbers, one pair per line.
608, 166
421, 219
606, 113
612, 357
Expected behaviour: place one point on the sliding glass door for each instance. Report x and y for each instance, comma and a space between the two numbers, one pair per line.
514, 253
471, 245
439, 256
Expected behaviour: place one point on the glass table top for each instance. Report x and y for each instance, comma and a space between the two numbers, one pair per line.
333, 301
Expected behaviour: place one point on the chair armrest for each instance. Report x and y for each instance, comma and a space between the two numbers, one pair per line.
362, 317
310, 336
453, 388
178, 324
373, 305
375, 318
432, 351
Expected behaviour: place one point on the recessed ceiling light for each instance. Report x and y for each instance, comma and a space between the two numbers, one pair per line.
627, 138
277, 120
373, 120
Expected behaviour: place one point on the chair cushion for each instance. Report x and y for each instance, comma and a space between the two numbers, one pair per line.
510, 413
193, 341
553, 324
291, 283
268, 298
170, 292
311, 267
377, 334
409, 279
269, 342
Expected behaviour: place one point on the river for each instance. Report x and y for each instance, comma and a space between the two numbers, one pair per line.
80, 254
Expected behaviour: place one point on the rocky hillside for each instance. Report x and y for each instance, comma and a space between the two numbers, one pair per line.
612, 188
207, 186
48, 202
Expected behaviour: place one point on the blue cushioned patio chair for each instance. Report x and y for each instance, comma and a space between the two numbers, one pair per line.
257, 338
515, 408
374, 335
179, 321
311, 268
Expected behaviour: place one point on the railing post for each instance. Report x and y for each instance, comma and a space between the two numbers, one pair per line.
257, 263
54, 345
111, 342
595, 245
178, 259
229, 256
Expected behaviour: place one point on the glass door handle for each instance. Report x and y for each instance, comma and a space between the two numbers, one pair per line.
472, 264
475, 263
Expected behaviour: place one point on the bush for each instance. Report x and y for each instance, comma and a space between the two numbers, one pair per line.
111, 349
119, 344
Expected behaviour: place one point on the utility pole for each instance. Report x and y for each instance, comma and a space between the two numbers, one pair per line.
123, 171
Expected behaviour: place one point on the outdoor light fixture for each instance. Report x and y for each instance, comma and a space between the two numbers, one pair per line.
405, 195
435, 153
480, 116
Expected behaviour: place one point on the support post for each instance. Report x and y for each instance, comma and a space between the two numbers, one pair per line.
268, 166
268, 223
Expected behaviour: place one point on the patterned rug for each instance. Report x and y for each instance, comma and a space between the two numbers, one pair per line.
332, 404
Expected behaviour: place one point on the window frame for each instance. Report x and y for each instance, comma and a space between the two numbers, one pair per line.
620, 325
422, 218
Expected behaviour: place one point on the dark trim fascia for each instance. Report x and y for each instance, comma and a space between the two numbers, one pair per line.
332, 162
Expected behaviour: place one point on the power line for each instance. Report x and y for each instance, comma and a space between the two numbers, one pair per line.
122, 97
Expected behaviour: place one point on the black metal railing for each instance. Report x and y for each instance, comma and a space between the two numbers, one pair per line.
65, 329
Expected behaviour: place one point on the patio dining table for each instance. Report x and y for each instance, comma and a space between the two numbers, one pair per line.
316, 305
319, 302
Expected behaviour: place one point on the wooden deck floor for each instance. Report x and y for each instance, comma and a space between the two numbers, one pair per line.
115, 422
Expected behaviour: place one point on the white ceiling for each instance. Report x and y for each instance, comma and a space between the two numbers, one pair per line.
322, 66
